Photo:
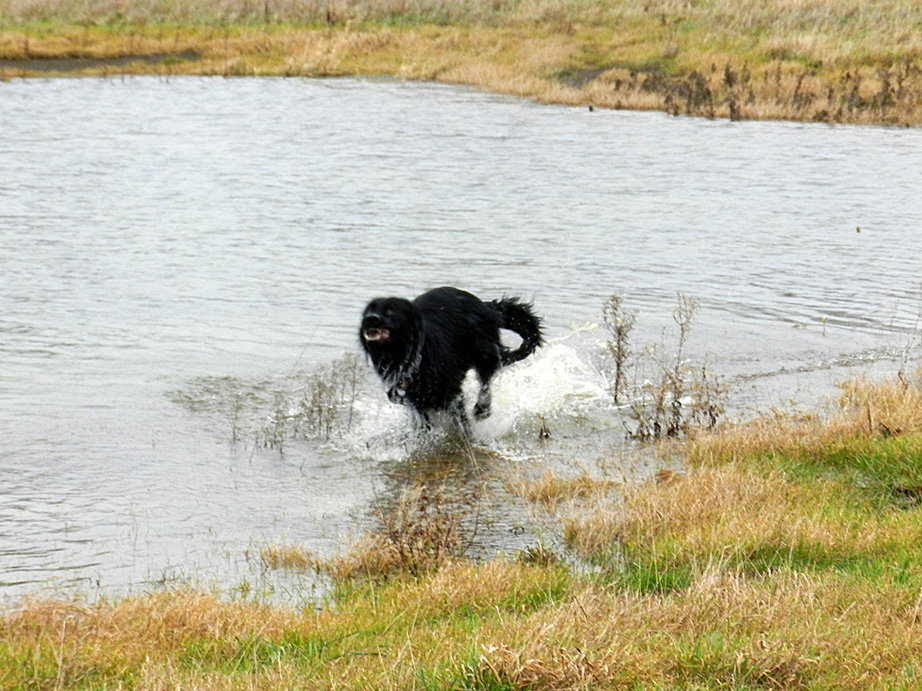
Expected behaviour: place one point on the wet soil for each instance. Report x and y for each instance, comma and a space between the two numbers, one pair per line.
43, 65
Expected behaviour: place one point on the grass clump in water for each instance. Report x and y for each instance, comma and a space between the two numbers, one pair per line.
286, 557
422, 532
425, 527
550, 490
318, 405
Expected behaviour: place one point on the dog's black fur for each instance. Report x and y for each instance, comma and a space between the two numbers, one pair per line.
423, 349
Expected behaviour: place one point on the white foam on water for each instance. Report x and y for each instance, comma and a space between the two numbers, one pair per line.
558, 383
558, 388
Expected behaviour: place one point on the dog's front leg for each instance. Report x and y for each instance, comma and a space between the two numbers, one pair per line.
484, 402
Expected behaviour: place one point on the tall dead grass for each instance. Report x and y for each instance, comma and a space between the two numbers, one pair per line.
779, 87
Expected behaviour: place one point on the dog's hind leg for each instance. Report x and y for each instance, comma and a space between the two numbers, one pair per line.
425, 424
484, 401
485, 370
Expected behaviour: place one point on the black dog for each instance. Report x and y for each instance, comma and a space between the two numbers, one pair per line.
423, 349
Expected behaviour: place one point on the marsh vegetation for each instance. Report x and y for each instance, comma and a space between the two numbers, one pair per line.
824, 61
316, 405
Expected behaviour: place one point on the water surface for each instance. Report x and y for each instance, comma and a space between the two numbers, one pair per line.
167, 241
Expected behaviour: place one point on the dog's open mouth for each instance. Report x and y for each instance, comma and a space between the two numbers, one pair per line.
373, 335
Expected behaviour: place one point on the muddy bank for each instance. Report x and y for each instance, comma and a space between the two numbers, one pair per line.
48, 66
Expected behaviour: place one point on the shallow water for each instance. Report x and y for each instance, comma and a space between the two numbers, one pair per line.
172, 246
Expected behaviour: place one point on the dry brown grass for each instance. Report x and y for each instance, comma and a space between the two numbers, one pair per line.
550, 490
867, 410
83, 643
793, 630
740, 515
291, 557
381, 638
789, 630
727, 631
737, 516
818, 24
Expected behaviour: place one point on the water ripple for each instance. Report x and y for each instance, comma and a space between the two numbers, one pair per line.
154, 233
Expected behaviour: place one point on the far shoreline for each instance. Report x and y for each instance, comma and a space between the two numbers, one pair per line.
562, 64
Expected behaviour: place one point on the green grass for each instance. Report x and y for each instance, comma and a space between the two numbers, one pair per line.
649, 576
256, 654
891, 467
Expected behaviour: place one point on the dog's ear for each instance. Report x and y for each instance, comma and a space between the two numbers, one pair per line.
404, 314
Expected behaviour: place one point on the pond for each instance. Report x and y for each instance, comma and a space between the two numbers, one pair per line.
184, 258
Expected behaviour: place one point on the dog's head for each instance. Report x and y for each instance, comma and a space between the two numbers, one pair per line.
389, 325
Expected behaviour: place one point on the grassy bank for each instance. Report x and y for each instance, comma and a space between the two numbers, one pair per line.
827, 60
788, 554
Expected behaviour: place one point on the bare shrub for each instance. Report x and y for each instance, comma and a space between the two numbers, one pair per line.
275, 431
620, 322
679, 395
314, 405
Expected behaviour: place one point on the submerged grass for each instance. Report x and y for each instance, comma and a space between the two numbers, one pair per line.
781, 557
825, 60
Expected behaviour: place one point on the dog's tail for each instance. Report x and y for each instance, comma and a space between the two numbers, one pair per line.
518, 317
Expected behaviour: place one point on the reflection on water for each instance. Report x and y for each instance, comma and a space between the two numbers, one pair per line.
213, 241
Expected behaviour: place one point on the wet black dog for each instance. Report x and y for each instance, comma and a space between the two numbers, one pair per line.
423, 349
